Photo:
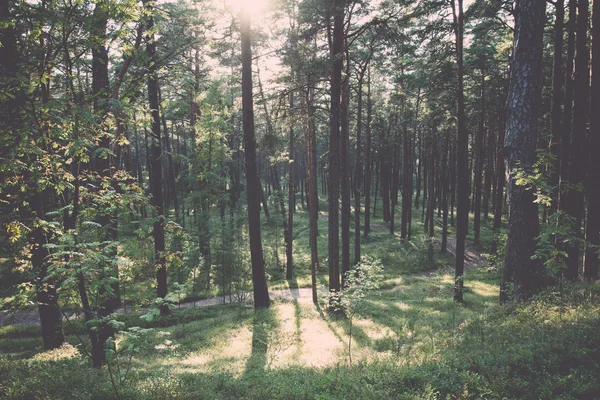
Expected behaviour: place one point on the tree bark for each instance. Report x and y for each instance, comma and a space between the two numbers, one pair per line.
462, 161
444, 177
385, 170
557, 97
358, 183
524, 97
261, 293
345, 168
574, 200
334, 144
406, 183
565, 148
291, 203
479, 165
156, 183
311, 149
369, 160
592, 229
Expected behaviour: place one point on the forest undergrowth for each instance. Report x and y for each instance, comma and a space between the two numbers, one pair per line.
409, 340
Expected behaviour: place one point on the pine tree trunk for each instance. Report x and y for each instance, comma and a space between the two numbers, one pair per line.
432, 184
261, 293
445, 172
262, 197
156, 183
344, 169
592, 229
489, 173
524, 98
452, 181
557, 97
377, 180
172, 183
565, 149
334, 145
406, 183
311, 149
499, 189
368, 161
358, 167
411, 167
395, 176
462, 213
291, 204
385, 172
479, 165
574, 200
420, 157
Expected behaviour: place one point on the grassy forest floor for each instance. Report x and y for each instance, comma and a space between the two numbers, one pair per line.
410, 340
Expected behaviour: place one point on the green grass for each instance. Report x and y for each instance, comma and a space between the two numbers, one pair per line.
399, 258
411, 341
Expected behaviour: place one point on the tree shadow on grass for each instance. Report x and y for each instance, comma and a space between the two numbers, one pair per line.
264, 324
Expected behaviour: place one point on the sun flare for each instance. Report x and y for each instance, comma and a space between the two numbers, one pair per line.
255, 9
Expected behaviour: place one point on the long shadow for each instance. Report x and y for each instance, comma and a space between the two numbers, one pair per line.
298, 326
427, 310
263, 325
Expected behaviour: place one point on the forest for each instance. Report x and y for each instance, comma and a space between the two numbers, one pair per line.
299, 199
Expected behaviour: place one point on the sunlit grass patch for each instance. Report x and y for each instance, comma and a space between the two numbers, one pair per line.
64, 352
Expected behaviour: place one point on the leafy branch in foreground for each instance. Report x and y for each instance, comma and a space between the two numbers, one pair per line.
363, 279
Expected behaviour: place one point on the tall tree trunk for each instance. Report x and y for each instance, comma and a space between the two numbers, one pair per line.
420, 158
524, 97
489, 173
291, 203
462, 213
385, 171
406, 183
156, 183
311, 149
429, 217
565, 148
103, 160
557, 97
395, 176
100, 87
432, 184
334, 144
411, 167
344, 168
592, 228
452, 181
424, 159
499, 188
479, 165
172, 183
444, 177
369, 160
358, 183
261, 293
377, 181
574, 201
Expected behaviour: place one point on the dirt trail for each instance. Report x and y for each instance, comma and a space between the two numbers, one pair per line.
32, 317
473, 259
